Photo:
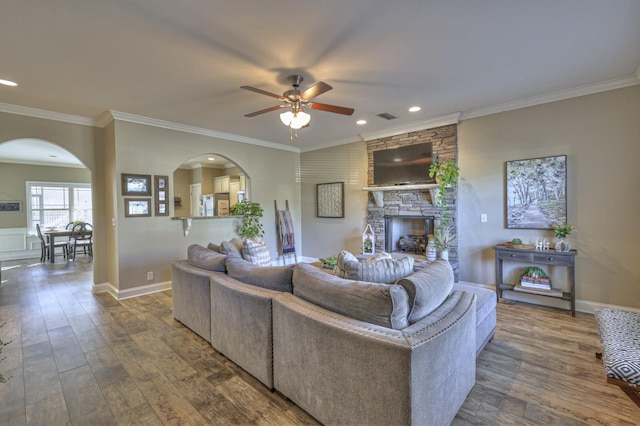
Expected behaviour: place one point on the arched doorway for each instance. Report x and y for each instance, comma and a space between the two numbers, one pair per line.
36, 176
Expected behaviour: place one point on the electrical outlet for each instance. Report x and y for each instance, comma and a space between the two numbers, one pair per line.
483, 218
149, 276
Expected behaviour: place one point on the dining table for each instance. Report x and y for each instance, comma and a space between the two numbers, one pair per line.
52, 234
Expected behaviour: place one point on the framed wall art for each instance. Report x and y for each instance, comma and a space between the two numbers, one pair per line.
537, 192
137, 207
161, 185
10, 206
136, 184
330, 199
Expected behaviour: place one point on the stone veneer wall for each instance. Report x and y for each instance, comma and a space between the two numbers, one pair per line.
414, 202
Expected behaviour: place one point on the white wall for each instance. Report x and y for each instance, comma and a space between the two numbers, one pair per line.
150, 244
600, 134
324, 237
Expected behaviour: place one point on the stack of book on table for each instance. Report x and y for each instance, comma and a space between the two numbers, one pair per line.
534, 283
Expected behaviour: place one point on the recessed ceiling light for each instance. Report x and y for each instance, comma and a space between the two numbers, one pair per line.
361, 122
210, 158
414, 109
8, 83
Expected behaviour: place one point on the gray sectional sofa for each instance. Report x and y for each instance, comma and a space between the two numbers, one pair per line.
346, 351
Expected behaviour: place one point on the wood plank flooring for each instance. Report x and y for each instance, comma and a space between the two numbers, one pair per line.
84, 359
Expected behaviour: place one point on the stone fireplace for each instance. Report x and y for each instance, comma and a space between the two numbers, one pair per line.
388, 206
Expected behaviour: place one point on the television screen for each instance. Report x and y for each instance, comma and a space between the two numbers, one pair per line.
406, 165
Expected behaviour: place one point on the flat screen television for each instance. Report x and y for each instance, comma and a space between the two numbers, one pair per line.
407, 165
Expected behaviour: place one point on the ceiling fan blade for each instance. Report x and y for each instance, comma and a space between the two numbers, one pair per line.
317, 89
262, 111
331, 108
262, 92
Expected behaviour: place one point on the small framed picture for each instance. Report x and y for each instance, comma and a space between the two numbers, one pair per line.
136, 184
137, 207
162, 209
161, 184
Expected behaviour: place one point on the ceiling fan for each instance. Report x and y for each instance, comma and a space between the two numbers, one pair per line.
296, 101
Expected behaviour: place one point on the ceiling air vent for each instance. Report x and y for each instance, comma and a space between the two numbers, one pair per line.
387, 116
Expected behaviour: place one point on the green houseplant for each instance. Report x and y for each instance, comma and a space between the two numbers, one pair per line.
562, 231
446, 175
444, 237
250, 214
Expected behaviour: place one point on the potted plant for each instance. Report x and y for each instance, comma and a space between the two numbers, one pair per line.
446, 175
250, 214
562, 232
444, 237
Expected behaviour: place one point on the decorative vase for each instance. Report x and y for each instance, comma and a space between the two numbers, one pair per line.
432, 251
443, 254
368, 240
562, 245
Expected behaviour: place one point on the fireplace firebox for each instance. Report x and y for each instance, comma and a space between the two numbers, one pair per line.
407, 234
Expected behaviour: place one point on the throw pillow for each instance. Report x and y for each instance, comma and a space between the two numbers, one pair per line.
428, 288
386, 305
230, 249
213, 247
386, 271
272, 277
204, 258
256, 253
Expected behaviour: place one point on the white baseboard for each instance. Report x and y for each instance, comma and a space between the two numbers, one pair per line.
584, 306
131, 292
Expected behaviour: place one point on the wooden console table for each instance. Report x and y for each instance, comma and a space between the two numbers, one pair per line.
532, 256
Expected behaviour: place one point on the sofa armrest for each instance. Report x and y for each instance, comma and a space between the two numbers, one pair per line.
341, 370
190, 297
241, 325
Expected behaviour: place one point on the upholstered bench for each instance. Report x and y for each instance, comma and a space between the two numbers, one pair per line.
619, 333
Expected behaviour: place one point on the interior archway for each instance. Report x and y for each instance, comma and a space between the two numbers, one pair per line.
208, 185
32, 160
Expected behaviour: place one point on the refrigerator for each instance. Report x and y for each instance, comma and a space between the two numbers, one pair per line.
207, 203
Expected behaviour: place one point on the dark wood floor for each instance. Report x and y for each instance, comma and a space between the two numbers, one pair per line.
79, 358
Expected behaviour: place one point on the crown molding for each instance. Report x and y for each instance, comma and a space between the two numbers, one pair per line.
559, 95
154, 122
413, 126
47, 115
331, 144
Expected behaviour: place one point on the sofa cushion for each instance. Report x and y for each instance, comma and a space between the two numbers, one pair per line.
427, 288
272, 277
256, 252
204, 258
383, 270
381, 304
230, 248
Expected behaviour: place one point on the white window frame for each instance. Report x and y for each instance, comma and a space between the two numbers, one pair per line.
70, 186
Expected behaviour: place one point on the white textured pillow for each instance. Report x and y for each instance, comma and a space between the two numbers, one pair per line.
256, 253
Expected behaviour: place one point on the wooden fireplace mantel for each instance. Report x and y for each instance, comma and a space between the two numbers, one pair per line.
378, 191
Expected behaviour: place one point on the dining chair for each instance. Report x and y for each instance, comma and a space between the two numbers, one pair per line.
46, 251
82, 236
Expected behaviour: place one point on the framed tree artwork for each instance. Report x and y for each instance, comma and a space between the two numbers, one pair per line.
537, 192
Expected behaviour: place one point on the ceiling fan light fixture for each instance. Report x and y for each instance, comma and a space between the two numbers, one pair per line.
295, 121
